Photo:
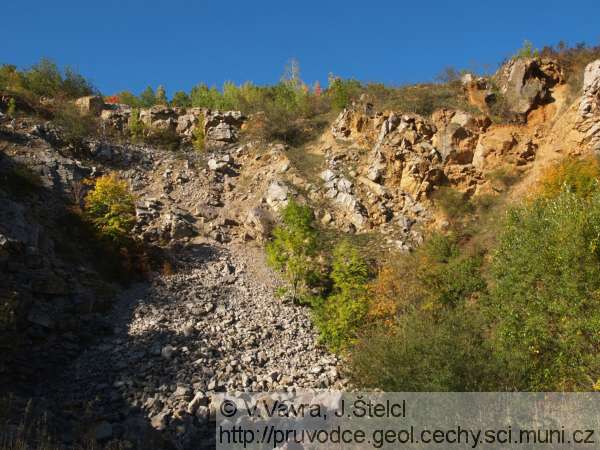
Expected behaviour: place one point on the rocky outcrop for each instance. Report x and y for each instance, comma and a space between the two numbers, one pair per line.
55, 294
457, 135
589, 106
526, 83
478, 91
220, 128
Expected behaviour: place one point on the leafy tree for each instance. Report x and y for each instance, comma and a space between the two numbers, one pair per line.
110, 207
181, 99
44, 78
147, 98
203, 97
128, 98
291, 74
342, 313
161, 96
75, 85
294, 247
546, 293
342, 92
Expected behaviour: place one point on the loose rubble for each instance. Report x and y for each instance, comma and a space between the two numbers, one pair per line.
214, 326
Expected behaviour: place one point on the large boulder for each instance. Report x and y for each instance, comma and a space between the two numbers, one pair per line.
277, 194
526, 82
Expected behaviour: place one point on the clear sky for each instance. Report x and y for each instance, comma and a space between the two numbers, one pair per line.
130, 44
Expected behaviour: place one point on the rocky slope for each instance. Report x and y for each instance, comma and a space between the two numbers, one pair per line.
150, 357
212, 326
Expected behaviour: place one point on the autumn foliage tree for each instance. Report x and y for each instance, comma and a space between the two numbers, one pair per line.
110, 207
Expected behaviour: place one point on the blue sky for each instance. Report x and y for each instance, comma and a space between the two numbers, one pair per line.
130, 44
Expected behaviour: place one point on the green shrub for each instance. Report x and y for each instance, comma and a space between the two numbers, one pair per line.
527, 51
422, 99
506, 175
426, 352
147, 98
163, 137
76, 126
342, 92
110, 207
181, 99
579, 176
10, 77
293, 248
198, 135
500, 108
340, 315
12, 108
425, 331
545, 294
135, 126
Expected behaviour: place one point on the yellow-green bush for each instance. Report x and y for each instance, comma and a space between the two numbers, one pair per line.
110, 207
546, 291
579, 176
423, 331
12, 108
294, 247
340, 315
198, 134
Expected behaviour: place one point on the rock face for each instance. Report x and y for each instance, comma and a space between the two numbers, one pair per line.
526, 82
478, 91
221, 128
590, 102
589, 106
